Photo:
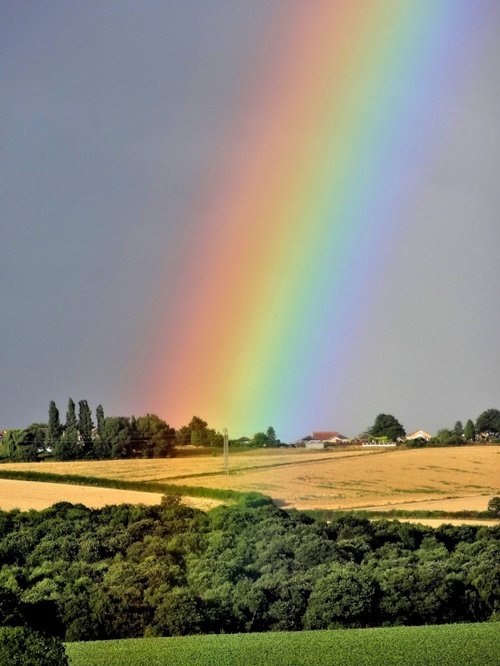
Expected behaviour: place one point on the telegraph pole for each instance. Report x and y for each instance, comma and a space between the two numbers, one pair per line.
226, 451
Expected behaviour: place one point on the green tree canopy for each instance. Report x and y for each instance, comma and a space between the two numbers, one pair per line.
54, 430
31, 443
489, 421
68, 447
71, 420
271, 436
469, 431
445, 436
193, 433
198, 433
117, 436
20, 646
345, 597
11, 440
99, 413
387, 425
157, 437
260, 439
85, 426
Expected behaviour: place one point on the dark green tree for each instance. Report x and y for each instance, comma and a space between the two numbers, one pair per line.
71, 420
494, 506
10, 442
260, 439
388, 426
31, 443
197, 433
69, 447
198, 429
271, 436
100, 446
445, 436
214, 438
458, 429
157, 437
54, 430
117, 437
489, 422
85, 426
99, 413
178, 614
344, 598
183, 436
21, 646
469, 431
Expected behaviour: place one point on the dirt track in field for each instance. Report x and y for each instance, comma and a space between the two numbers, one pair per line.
451, 479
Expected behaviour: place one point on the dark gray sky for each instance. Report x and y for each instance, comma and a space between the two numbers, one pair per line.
105, 105
109, 106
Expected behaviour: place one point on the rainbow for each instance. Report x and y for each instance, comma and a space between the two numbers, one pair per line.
304, 205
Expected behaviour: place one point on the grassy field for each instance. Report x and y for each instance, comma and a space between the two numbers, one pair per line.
444, 479
443, 645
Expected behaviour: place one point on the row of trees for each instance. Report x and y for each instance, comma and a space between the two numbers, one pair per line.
79, 437
487, 425
130, 571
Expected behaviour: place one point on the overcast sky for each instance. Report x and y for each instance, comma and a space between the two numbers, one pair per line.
108, 106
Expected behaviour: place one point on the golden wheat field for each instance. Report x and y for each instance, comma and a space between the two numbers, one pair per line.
26, 495
454, 479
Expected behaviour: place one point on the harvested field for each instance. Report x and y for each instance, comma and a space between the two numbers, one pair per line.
466, 503
25, 495
436, 522
181, 469
446, 479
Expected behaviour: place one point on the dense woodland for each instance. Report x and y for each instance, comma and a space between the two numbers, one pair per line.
127, 571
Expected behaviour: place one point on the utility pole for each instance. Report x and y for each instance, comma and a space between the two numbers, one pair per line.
226, 451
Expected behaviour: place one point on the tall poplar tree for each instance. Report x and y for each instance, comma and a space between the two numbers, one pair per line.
101, 446
99, 413
85, 426
54, 430
69, 446
71, 421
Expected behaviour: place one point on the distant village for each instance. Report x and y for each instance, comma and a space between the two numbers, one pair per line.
321, 440
150, 436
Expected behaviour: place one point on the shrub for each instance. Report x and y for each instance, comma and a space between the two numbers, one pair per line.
494, 506
20, 646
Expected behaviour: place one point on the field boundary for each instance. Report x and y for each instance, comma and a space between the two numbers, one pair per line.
252, 468
235, 497
394, 514
230, 496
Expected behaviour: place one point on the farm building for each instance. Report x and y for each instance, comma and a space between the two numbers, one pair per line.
330, 437
320, 440
314, 445
419, 434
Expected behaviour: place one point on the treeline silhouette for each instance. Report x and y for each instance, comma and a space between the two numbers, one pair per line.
80, 437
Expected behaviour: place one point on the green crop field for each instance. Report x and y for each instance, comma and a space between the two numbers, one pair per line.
442, 645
